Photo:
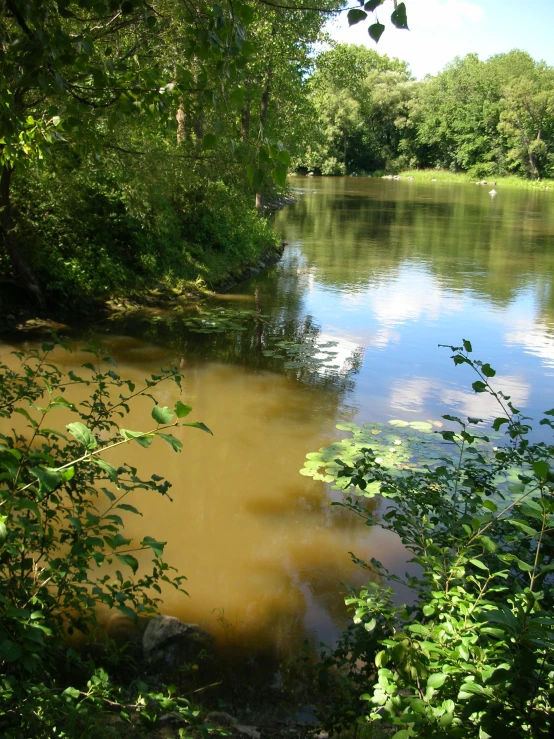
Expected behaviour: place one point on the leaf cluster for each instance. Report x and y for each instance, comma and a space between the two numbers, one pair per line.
473, 655
63, 549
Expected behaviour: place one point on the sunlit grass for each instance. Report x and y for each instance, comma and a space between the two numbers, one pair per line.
442, 175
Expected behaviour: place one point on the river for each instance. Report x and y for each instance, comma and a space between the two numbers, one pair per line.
388, 270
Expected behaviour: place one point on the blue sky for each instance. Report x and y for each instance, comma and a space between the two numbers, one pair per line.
443, 29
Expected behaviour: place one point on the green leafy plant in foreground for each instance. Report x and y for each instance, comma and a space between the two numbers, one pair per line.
474, 655
63, 550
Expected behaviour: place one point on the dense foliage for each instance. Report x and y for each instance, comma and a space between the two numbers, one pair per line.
136, 138
472, 657
487, 118
63, 552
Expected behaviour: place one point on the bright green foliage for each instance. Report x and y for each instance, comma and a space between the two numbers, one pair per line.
473, 657
527, 121
361, 100
487, 117
62, 534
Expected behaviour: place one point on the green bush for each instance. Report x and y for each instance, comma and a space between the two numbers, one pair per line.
332, 166
474, 655
94, 230
61, 504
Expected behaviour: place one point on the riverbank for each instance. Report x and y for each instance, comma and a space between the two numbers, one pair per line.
17, 312
442, 175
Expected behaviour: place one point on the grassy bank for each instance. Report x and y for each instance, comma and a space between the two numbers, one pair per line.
428, 175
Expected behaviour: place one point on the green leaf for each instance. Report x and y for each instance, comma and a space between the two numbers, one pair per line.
279, 174
129, 560
370, 625
436, 680
505, 617
172, 441
479, 386
400, 20
541, 469
209, 141
9, 651
372, 4
497, 423
24, 504
126, 611
48, 478
82, 434
181, 410
162, 414
236, 98
156, 546
480, 565
488, 371
130, 508
467, 346
355, 16
23, 412
199, 425
143, 439
71, 693
3, 533
60, 402
375, 31
108, 469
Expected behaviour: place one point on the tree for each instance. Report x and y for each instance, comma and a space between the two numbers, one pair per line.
527, 120
362, 100
72, 71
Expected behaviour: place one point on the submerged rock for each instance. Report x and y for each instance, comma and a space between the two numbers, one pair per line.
169, 641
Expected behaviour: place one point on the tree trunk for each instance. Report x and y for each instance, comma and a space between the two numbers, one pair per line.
181, 124
23, 273
246, 120
199, 128
264, 105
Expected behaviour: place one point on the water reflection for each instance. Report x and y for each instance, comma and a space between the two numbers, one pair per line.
389, 270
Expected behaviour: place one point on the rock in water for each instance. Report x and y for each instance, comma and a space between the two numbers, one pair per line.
169, 640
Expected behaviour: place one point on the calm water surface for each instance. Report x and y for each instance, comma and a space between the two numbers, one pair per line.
389, 270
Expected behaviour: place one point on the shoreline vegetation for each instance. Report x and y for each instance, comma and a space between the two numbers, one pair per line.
441, 175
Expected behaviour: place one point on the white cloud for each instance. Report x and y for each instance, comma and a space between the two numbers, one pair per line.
535, 338
410, 395
345, 349
413, 294
483, 405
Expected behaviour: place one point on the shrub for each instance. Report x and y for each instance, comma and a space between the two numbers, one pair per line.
473, 656
92, 231
61, 504
332, 166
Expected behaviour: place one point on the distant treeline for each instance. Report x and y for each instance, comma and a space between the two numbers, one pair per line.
486, 118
